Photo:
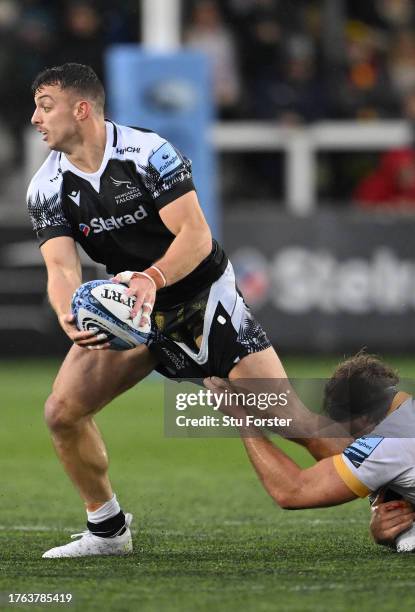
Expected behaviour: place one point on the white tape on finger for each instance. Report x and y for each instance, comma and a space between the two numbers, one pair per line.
125, 277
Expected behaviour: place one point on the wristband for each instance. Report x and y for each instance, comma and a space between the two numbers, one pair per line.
163, 278
154, 274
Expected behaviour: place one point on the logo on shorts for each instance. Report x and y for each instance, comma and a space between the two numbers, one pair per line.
178, 361
85, 229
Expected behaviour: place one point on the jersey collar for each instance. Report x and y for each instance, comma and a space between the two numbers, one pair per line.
398, 400
94, 178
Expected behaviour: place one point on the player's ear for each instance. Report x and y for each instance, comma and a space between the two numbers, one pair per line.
82, 110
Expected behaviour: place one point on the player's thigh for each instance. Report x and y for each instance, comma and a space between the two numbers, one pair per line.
263, 373
264, 364
88, 380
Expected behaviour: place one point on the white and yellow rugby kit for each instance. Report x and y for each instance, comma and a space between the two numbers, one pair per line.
385, 457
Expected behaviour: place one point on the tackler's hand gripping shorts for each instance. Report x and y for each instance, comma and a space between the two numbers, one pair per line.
207, 335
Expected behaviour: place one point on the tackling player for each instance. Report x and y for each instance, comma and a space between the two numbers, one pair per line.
362, 392
126, 196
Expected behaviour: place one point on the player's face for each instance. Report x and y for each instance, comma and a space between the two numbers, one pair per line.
55, 117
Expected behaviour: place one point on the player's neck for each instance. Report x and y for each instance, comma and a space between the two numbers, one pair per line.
88, 152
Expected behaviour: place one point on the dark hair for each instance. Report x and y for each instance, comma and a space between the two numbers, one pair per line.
361, 385
79, 77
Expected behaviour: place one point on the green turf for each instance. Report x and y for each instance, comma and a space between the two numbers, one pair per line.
206, 535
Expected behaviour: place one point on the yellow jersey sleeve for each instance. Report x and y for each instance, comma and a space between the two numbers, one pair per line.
349, 477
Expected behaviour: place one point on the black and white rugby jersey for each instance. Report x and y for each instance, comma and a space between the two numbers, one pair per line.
114, 213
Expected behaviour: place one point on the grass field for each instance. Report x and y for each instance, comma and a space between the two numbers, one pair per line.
206, 535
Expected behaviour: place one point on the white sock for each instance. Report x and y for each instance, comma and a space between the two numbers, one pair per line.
106, 511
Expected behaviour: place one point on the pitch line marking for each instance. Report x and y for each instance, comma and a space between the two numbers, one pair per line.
34, 528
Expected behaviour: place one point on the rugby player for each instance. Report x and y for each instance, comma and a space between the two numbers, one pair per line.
362, 392
126, 196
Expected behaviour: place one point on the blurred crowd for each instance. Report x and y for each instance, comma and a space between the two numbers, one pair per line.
292, 62
309, 59
39, 33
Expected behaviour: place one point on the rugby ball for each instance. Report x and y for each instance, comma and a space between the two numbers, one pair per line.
104, 305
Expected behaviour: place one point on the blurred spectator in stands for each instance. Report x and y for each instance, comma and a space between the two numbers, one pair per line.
207, 32
260, 37
30, 47
401, 62
297, 95
9, 15
392, 184
82, 37
361, 89
386, 15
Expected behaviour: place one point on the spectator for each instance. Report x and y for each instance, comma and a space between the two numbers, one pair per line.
384, 15
83, 38
260, 40
31, 48
9, 15
361, 88
208, 33
298, 95
401, 62
392, 184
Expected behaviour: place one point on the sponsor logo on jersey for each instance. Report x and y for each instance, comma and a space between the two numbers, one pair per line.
75, 197
361, 449
128, 150
131, 193
99, 224
85, 229
165, 159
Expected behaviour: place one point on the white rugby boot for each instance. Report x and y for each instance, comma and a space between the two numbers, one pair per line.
405, 542
91, 545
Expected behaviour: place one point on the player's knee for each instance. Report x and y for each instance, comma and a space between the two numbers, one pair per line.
58, 414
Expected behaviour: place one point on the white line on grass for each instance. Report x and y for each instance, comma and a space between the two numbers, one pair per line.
34, 528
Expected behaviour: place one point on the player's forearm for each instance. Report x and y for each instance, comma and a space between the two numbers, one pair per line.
277, 472
61, 287
189, 248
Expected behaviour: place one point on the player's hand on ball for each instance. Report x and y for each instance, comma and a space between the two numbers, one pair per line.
85, 339
389, 519
144, 291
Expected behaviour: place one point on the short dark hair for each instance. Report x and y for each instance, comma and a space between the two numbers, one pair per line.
79, 77
362, 385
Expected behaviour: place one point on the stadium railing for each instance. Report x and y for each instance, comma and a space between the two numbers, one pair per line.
300, 145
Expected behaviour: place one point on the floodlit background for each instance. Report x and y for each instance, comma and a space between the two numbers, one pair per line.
298, 117
300, 134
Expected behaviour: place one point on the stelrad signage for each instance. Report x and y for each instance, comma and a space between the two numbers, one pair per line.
334, 281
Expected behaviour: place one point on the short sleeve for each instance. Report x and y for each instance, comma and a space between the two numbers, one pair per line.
46, 214
370, 463
167, 175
